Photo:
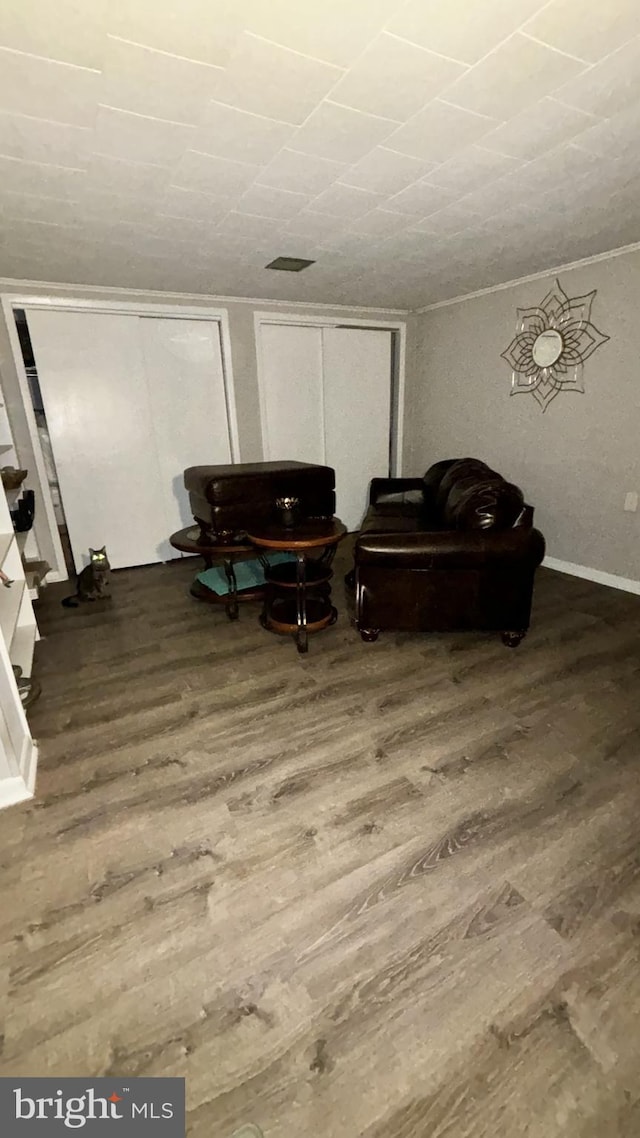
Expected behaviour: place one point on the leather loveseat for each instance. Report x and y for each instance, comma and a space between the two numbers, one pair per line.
455, 549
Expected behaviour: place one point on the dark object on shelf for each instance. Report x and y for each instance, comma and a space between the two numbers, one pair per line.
28, 689
23, 511
309, 608
12, 479
226, 501
455, 549
35, 571
288, 512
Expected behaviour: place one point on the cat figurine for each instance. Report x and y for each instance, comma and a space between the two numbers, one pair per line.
93, 581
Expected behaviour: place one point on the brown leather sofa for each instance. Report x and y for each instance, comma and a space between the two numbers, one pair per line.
228, 500
455, 549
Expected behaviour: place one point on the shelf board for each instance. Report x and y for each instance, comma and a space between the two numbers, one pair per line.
22, 645
5, 545
10, 601
35, 572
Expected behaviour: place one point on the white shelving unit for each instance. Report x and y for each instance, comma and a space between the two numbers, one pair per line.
18, 633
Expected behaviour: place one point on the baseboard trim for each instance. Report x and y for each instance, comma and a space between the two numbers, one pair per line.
28, 766
627, 584
12, 791
54, 577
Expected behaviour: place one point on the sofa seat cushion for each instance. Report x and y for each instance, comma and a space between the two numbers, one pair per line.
383, 522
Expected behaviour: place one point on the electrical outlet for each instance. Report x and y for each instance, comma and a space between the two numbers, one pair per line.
631, 501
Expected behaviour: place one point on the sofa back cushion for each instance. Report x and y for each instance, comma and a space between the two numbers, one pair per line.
461, 469
486, 503
466, 494
433, 477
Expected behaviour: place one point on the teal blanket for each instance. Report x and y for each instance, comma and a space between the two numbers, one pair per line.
249, 574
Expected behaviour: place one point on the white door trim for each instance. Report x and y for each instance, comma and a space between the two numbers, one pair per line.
11, 301
397, 326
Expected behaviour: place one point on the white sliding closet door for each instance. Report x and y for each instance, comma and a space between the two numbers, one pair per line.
185, 378
326, 398
92, 377
292, 400
357, 413
130, 402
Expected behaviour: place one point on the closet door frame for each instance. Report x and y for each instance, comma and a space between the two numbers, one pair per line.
399, 327
45, 524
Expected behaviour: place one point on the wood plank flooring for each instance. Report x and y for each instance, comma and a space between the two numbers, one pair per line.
386, 890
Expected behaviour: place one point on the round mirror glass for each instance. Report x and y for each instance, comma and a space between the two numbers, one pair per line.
547, 348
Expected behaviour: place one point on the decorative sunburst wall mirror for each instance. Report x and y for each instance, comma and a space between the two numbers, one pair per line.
551, 344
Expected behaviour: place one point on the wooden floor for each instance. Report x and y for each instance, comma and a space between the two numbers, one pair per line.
386, 890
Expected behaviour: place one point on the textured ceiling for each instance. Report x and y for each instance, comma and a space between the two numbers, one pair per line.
416, 150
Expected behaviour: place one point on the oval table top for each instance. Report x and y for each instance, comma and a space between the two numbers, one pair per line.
310, 534
188, 540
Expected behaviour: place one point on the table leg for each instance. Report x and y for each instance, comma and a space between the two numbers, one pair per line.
302, 636
268, 593
232, 596
328, 554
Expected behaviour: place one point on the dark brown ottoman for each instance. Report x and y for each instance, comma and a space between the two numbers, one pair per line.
226, 501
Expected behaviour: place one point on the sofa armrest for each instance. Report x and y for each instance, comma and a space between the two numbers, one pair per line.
451, 549
391, 489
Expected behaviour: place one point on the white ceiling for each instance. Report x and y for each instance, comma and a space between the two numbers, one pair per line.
416, 150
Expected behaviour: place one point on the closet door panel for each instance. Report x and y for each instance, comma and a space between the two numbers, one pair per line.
185, 380
291, 385
357, 413
91, 374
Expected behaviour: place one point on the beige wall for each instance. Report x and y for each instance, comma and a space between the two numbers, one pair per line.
576, 461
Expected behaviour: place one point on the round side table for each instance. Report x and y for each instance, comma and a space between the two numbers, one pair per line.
189, 540
298, 594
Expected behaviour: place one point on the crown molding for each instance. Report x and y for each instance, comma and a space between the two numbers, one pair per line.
305, 305
593, 260
209, 298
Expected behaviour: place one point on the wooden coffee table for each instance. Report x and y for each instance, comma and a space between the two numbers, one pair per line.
190, 540
298, 594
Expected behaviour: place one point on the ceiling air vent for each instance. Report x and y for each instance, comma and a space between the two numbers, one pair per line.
289, 264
